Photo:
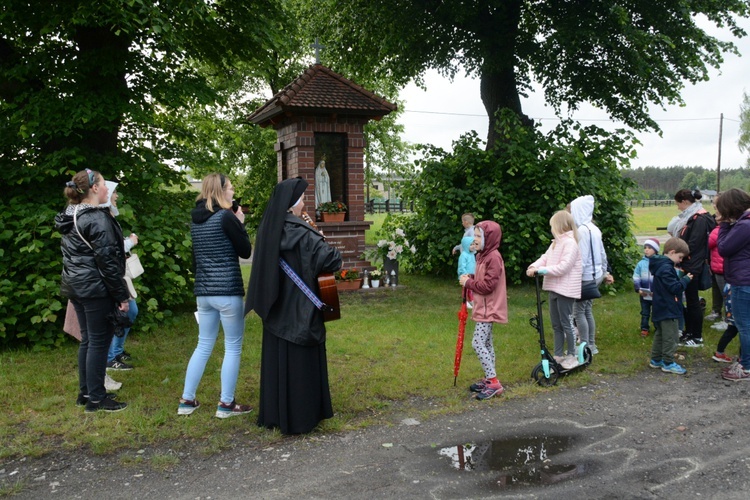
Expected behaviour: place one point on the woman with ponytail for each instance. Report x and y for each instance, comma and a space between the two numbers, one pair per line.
93, 281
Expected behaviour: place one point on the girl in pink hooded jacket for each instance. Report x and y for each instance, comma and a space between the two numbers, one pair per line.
490, 302
562, 269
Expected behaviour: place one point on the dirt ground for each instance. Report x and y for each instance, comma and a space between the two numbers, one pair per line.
647, 436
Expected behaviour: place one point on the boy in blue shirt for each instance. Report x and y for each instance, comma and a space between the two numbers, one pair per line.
643, 280
667, 304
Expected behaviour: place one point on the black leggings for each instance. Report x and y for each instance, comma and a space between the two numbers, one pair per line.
729, 334
693, 310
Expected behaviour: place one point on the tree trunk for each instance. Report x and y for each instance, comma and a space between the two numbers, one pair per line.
498, 33
498, 91
103, 69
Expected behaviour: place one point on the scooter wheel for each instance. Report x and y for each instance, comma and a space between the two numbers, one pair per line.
537, 374
587, 356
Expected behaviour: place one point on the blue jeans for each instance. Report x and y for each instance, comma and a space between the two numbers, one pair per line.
645, 313
229, 310
118, 343
741, 315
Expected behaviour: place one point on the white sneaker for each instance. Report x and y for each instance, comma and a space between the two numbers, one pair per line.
569, 362
712, 317
721, 325
111, 384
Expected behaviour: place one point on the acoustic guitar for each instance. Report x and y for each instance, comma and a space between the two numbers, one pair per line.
329, 293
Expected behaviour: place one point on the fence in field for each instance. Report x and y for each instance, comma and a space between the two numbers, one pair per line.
386, 206
651, 203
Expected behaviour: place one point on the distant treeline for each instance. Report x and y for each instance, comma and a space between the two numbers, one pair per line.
656, 183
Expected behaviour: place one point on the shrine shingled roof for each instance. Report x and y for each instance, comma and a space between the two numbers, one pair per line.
321, 90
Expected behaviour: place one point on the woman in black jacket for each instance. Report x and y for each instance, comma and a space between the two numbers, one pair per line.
93, 280
294, 393
693, 225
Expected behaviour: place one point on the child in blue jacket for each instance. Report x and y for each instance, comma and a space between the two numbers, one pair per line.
667, 307
643, 280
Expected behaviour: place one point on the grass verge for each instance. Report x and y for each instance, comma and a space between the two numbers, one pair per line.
390, 354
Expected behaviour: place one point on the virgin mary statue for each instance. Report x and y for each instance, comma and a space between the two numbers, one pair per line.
322, 184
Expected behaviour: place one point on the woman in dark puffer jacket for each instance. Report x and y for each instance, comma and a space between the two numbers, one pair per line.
93, 280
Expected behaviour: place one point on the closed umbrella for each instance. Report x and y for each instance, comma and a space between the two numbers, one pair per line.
463, 315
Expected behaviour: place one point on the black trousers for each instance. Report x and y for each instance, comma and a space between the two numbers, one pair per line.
693, 310
96, 336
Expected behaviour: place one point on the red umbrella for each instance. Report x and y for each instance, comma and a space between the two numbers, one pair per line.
463, 315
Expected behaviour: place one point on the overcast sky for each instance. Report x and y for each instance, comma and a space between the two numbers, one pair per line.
690, 133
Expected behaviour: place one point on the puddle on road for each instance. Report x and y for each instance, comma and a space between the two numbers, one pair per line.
519, 461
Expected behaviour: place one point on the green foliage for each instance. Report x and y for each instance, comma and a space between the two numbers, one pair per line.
129, 89
31, 308
618, 56
520, 185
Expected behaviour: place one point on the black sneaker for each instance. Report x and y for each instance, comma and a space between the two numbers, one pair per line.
84, 398
683, 338
694, 342
118, 364
105, 404
125, 356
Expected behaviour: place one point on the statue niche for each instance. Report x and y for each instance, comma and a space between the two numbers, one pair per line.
330, 170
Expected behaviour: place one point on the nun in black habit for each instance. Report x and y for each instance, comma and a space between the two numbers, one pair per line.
294, 393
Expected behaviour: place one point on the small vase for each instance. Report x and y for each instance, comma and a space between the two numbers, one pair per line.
375, 283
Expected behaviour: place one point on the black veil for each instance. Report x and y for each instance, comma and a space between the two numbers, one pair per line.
263, 288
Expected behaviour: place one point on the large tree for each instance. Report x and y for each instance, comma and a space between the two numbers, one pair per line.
620, 56
99, 84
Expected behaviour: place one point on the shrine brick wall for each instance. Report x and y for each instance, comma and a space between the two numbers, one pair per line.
296, 155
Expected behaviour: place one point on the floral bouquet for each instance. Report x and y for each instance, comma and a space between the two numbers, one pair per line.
347, 275
375, 274
395, 246
333, 207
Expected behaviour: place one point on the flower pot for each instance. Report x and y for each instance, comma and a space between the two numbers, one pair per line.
332, 216
375, 283
349, 285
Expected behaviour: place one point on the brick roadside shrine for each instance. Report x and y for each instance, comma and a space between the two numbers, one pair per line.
319, 120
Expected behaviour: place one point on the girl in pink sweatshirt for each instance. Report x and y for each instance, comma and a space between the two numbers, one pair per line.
490, 303
562, 268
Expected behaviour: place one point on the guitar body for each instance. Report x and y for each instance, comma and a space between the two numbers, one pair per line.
329, 294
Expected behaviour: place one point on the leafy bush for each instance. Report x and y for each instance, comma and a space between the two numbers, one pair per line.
520, 184
31, 307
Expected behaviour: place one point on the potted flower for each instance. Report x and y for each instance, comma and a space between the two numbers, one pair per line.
332, 211
375, 275
348, 279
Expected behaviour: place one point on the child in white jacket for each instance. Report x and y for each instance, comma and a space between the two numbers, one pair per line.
562, 270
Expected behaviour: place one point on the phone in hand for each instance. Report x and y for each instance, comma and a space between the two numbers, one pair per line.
236, 204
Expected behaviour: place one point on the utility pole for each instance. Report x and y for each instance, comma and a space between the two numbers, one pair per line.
718, 165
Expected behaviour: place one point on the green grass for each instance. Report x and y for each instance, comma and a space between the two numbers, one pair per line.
387, 346
395, 340
377, 223
646, 220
